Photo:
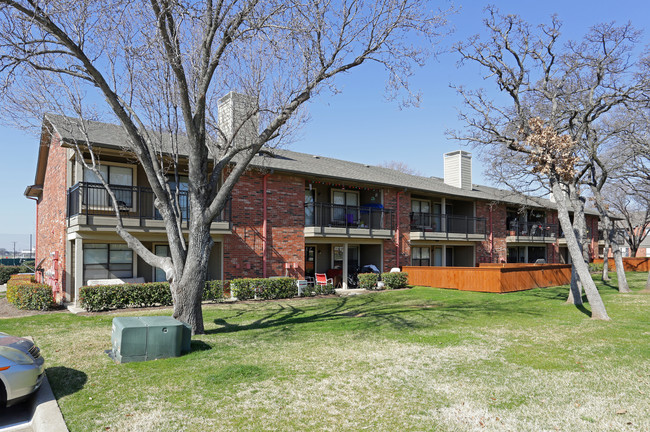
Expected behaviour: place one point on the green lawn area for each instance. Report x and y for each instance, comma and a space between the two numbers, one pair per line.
418, 359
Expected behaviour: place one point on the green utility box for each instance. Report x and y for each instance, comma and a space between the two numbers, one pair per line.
149, 338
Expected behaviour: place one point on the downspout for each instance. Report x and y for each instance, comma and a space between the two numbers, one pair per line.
36, 241
397, 242
264, 225
491, 236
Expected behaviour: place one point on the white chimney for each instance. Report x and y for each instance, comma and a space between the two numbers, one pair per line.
238, 116
458, 169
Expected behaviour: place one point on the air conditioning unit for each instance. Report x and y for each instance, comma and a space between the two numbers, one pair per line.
149, 338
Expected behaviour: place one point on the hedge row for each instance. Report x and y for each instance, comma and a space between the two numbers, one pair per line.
368, 280
24, 293
103, 297
318, 290
266, 289
395, 280
7, 271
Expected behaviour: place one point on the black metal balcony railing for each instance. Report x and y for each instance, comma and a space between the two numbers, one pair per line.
342, 216
448, 224
135, 202
533, 229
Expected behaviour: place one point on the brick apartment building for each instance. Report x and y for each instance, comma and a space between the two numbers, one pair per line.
322, 215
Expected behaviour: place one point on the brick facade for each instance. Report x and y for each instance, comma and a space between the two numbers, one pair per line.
51, 226
494, 248
243, 249
402, 218
553, 250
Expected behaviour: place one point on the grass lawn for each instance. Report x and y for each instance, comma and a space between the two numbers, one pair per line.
418, 359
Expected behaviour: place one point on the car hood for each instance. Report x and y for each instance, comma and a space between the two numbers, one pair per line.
16, 342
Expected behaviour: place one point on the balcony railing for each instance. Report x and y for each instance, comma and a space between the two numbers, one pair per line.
448, 224
342, 216
533, 230
134, 202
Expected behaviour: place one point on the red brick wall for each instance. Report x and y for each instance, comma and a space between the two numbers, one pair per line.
592, 227
553, 250
493, 249
403, 218
51, 228
285, 227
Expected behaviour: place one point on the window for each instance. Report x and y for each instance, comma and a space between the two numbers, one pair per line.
420, 213
107, 261
310, 206
345, 207
420, 256
119, 177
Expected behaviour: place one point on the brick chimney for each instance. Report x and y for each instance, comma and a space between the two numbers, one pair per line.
458, 169
236, 109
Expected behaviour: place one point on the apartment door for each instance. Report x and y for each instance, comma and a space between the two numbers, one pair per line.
310, 261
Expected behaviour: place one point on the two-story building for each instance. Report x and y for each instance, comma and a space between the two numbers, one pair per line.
290, 214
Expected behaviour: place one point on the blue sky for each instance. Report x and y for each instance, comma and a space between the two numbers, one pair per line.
359, 124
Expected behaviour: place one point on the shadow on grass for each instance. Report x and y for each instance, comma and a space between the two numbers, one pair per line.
197, 345
65, 381
370, 313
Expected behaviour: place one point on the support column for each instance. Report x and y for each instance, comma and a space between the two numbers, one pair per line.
344, 282
78, 268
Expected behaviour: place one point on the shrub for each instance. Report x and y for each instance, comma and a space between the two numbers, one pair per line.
24, 293
394, 280
213, 291
244, 289
266, 289
324, 289
6, 272
368, 280
308, 290
597, 267
103, 297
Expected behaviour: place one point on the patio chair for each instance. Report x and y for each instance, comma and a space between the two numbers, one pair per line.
322, 280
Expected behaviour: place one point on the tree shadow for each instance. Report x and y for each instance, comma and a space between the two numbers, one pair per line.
369, 312
198, 345
65, 381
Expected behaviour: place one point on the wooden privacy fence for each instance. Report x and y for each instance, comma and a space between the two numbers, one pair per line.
496, 278
629, 264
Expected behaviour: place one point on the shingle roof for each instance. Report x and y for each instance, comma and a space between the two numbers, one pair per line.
114, 136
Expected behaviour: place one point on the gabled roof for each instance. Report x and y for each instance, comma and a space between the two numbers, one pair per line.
113, 136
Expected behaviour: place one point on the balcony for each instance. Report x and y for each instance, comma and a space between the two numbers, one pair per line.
88, 204
532, 232
333, 220
427, 226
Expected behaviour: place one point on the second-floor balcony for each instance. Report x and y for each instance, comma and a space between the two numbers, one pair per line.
532, 232
428, 226
334, 220
90, 204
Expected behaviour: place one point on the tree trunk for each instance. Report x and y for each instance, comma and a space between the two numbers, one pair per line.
623, 287
614, 238
605, 276
579, 228
598, 310
575, 292
188, 290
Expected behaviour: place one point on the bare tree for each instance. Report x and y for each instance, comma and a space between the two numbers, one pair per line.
631, 203
558, 99
159, 68
400, 166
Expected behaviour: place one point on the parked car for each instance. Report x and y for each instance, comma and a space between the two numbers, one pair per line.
21, 369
